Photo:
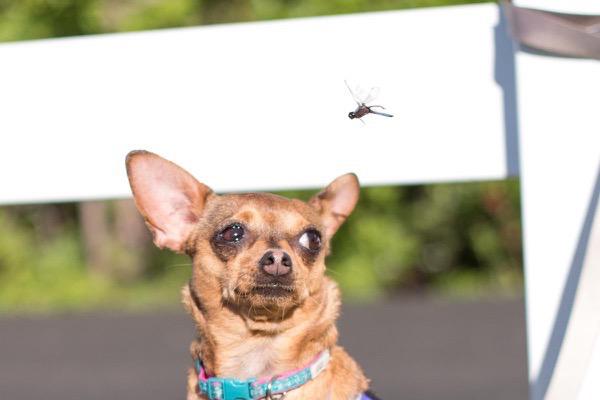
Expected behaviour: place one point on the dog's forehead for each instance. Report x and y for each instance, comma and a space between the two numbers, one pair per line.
264, 209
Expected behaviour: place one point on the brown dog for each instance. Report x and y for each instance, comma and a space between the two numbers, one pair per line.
260, 299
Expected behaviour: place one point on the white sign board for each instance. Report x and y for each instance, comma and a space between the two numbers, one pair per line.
256, 105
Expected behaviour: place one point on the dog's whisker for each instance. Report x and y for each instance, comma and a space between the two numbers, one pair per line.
333, 272
179, 265
283, 310
315, 301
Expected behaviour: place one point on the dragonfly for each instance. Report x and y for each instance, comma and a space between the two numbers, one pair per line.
362, 99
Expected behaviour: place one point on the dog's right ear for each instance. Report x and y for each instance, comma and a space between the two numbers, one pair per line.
169, 198
336, 202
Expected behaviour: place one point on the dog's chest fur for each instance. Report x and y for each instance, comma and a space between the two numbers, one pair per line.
254, 357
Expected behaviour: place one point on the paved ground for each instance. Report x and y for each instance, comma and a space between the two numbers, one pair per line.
412, 349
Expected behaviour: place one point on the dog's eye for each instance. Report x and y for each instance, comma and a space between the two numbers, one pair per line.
233, 233
310, 240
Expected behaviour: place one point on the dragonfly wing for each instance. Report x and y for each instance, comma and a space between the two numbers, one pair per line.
370, 95
352, 93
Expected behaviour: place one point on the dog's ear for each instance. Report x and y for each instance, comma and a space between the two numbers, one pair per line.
336, 202
169, 198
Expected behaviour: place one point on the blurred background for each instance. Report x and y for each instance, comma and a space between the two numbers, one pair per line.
420, 246
449, 240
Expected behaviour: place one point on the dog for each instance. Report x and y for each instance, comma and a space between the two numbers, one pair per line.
263, 307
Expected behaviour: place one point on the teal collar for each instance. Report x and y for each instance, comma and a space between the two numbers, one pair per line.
270, 388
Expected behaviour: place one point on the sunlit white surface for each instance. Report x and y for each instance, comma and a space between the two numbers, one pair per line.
589, 387
255, 106
560, 157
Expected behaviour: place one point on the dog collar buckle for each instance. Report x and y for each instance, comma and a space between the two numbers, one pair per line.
229, 389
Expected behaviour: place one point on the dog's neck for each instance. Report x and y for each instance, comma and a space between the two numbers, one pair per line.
234, 344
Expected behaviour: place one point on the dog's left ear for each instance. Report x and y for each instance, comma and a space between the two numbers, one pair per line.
336, 202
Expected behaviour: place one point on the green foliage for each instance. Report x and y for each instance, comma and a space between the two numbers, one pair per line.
35, 19
449, 239
272, 9
40, 274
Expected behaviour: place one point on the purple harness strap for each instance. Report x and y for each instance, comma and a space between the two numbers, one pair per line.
367, 396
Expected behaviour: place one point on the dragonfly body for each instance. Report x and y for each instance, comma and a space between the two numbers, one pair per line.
362, 108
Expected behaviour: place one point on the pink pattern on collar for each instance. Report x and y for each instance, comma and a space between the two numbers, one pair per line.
203, 376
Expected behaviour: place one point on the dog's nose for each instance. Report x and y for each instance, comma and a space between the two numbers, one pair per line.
276, 263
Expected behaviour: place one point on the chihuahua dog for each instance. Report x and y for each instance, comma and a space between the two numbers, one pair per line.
263, 308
